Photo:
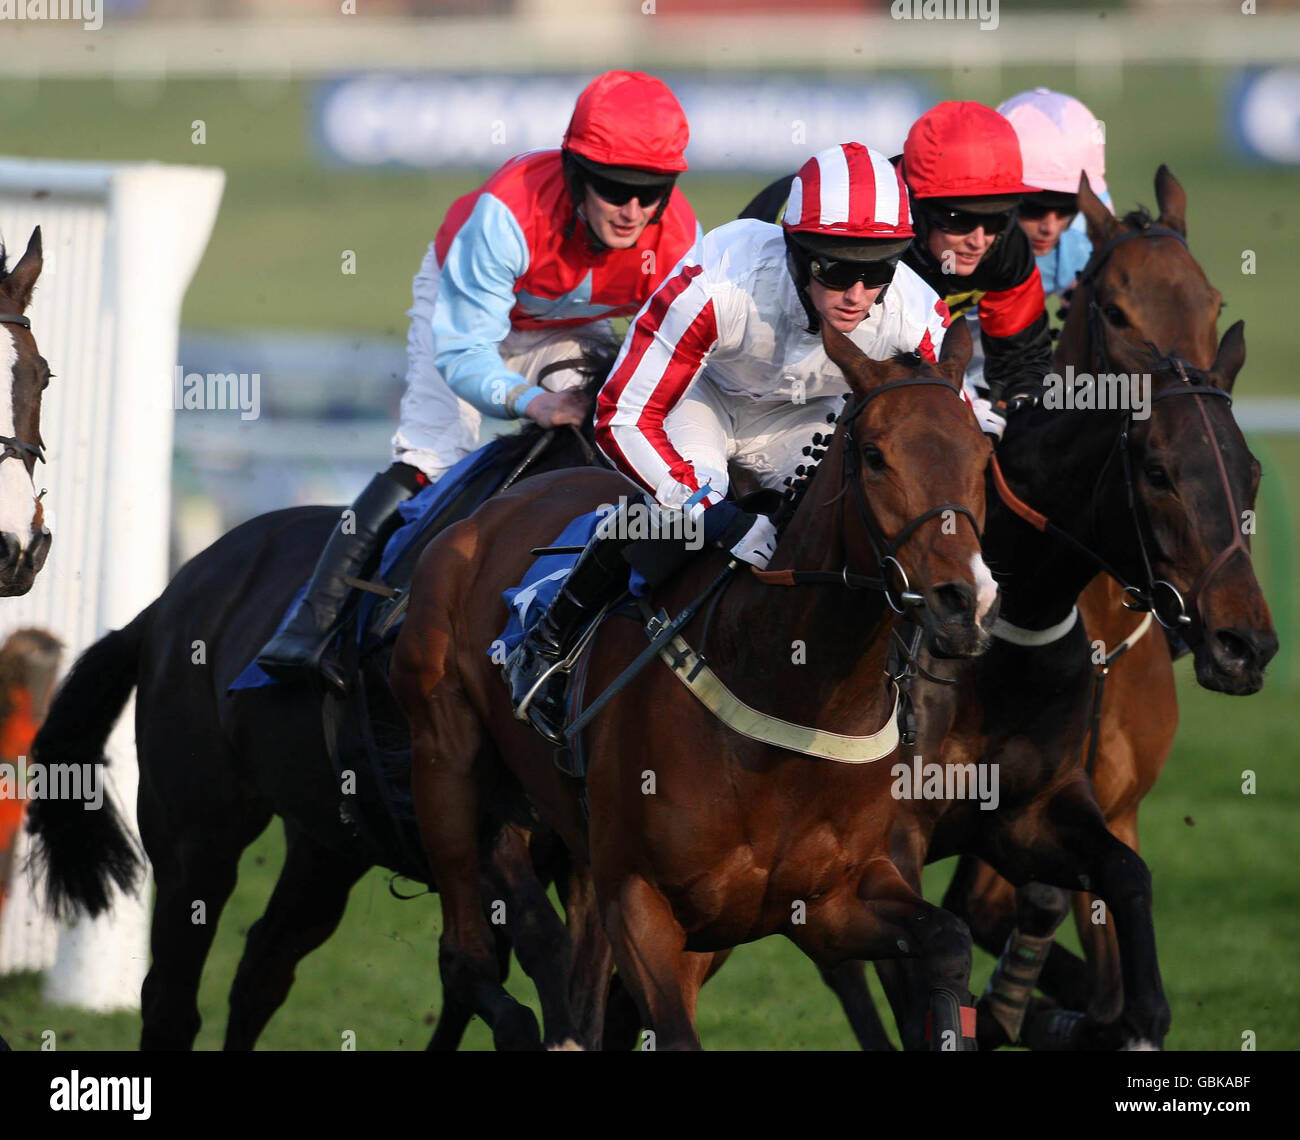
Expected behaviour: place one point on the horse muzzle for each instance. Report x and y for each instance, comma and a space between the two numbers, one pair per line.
951, 621
1232, 659
20, 564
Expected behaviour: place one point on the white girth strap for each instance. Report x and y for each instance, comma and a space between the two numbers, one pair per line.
738, 716
1032, 638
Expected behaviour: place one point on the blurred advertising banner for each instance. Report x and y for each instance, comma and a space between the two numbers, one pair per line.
737, 123
1264, 115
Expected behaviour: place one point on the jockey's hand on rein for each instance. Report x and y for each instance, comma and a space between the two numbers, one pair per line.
555, 409
749, 537
992, 419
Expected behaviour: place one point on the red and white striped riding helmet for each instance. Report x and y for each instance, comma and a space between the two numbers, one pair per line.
849, 191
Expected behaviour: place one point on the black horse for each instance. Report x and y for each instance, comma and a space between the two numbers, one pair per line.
215, 766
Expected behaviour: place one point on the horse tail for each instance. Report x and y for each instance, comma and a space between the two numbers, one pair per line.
78, 851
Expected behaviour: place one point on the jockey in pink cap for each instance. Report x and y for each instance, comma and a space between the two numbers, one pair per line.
1059, 140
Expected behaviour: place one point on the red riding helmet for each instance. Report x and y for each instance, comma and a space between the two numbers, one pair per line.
963, 150
628, 127
851, 198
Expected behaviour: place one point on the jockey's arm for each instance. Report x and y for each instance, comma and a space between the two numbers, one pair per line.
471, 316
663, 353
1014, 332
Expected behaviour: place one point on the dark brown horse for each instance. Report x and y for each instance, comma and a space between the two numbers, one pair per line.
1148, 291
24, 375
701, 838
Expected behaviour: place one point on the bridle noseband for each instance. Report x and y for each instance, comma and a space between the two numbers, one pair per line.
13, 447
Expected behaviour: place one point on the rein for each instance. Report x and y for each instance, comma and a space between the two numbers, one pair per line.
13, 447
899, 597
1173, 614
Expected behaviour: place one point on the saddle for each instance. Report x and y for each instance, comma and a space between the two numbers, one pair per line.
365, 729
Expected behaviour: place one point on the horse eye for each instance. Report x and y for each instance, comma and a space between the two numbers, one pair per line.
873, 458
1157, 476
1116, 316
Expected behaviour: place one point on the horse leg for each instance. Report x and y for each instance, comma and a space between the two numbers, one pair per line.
541, 941
446, 742
195, 869
649, 949
848, 982
1075, 850
304, 910
590, 982
1100, 945
890, 920
1040, 910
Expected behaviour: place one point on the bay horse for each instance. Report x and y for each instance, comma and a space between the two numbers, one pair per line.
699, 838
24, 375
1146, 292
215, 767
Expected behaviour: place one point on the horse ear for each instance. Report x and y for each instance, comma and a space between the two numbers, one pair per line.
1101, 222
861, 372
19, 284
954, 357
1172, 200
1230, 357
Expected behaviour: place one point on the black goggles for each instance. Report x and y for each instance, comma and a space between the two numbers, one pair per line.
1037, 211
841, 275
965, 222
621, 193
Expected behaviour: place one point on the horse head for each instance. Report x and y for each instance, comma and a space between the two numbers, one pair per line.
24, 375
1135, 292
1196, 481
912, 459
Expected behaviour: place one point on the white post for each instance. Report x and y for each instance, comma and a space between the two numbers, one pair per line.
122, 243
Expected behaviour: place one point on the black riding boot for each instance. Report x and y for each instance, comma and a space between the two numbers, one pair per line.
300, 648
598, 577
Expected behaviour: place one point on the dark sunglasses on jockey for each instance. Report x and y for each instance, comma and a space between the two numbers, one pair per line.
1036, 207
840, 275
621, 193
952, 221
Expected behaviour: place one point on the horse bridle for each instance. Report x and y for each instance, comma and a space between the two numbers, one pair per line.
1175, 615
892, 580
12, 446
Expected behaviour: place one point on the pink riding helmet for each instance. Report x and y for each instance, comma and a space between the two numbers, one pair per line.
1059, 137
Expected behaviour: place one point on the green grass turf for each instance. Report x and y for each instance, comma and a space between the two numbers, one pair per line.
1224, 882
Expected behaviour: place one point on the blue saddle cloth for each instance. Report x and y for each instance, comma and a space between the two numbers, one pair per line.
543, 579
418, 513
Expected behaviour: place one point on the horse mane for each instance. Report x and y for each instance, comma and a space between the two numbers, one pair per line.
4, 269
1138, 218
515, 445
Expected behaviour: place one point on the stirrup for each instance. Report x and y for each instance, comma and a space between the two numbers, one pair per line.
564, 665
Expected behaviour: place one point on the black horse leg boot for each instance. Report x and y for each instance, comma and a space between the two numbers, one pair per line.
532, 670
300, 649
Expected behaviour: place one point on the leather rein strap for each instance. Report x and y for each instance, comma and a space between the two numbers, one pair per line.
885, 551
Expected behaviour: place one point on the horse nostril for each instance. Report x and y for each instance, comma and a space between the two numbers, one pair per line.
10, 549
1233, 650
954, 599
